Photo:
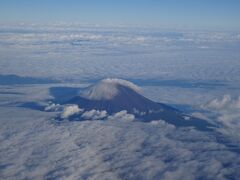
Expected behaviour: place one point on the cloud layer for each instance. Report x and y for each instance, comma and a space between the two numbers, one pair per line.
113, 149
80, 53
34, 146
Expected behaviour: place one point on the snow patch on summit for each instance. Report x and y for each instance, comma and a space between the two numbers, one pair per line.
107, 89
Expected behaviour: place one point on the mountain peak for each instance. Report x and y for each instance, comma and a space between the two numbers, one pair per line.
107, 89
116, 95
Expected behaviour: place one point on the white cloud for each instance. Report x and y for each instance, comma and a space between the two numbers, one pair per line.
187, 118
122, 116
162, 123
226, 108
94, 114
136, 111
225, 111
53, 107
200, 115
218, 104
70, 110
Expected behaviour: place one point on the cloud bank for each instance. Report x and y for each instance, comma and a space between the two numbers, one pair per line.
110, 149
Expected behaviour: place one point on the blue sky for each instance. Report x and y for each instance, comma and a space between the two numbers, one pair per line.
168, 13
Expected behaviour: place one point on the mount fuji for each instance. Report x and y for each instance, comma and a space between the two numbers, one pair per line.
115, 95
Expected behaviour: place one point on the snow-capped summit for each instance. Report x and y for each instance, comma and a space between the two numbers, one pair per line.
107, 89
